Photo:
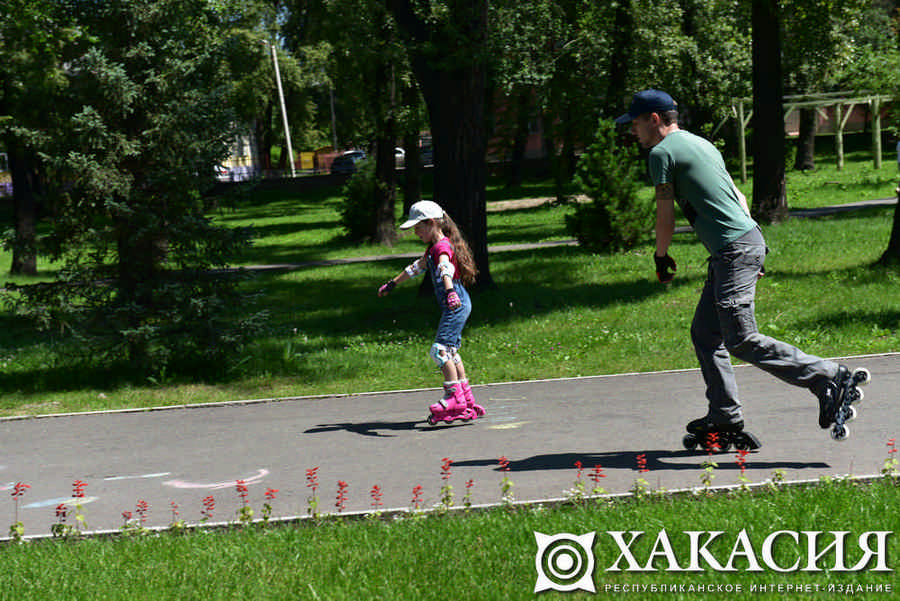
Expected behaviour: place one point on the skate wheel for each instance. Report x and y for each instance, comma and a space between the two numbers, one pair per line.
856, 396
850, 414
746, 442
840, 433
721, 446
689, 441
479, 410
430, 419
861, 376
742, 445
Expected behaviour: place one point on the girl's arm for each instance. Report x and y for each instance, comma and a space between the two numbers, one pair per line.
411, 271
447, 271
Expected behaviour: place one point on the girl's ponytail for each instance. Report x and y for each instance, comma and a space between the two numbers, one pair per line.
464, 260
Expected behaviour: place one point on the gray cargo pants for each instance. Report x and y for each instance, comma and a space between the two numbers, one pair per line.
724, 323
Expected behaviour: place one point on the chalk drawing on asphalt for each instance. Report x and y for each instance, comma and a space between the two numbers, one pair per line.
260, 474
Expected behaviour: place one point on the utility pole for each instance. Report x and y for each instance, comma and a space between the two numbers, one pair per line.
284, 119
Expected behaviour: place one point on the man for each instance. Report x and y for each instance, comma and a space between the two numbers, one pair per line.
689, 170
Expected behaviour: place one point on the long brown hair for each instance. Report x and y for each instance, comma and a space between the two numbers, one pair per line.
467, 268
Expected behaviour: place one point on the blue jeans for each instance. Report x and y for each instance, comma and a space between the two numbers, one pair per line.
450, 327
725, 324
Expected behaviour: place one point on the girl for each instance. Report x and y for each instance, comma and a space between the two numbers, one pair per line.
449, 262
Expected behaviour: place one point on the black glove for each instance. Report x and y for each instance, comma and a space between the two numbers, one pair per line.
664, 264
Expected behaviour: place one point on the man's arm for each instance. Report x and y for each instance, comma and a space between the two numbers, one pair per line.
665, 217
741, 198
665, 228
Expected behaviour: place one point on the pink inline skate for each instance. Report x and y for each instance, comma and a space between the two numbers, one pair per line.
451, 407
470, 399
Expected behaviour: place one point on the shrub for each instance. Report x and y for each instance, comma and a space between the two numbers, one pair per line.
617, 217
358, 209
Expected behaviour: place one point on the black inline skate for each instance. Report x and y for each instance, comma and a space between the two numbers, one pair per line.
708, 435
837, 400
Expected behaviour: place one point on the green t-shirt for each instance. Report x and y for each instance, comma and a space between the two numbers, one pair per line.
703, 188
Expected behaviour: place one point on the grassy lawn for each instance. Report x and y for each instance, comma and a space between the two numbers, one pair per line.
491, 554
556, 311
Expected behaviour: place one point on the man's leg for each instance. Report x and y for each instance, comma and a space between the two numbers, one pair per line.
736, 276
715, 363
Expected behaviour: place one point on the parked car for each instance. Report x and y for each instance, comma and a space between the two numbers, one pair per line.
346, 163
427, 154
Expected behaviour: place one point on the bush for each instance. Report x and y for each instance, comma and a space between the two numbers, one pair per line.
617, 218
358, 209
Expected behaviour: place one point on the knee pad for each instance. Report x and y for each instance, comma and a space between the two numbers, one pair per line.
454, 354
437, 357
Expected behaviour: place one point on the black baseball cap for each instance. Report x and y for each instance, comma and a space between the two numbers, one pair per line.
648, 101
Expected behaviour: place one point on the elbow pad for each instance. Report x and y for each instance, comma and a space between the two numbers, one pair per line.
446, 268
413, 269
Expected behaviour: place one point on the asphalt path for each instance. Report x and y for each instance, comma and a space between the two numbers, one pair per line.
182, 455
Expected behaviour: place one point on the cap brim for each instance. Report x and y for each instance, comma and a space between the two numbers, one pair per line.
626, 118
408, 224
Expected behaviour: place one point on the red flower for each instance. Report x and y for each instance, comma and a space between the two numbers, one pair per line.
78, 489
712, 442
504, 463
341, 496
62, 511
242, 490
642, 463
270, 494
596, 474
417, 496
142, 508
312, 478
19, 490
209, 505
446, 462
742, 459
376, 494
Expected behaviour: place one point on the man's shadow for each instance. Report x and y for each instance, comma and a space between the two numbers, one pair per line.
655, 460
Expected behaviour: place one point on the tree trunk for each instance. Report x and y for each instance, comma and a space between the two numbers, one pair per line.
460, 145
521, 102
412, 167
455, 94
412, 171
385, 191
25, 184
385, 166
891, 256
620, 57
769, 195
805, 160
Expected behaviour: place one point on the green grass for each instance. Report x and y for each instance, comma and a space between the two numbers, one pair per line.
482, 556
556, 311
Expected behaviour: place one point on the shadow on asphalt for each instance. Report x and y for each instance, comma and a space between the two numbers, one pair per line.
377, 428
656, 460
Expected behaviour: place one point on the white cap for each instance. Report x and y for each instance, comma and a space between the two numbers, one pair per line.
422, 210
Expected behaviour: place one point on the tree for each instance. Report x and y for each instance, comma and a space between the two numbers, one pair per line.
33, 46
447, 45
147, 120
819, 36
769, 196
619, 217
